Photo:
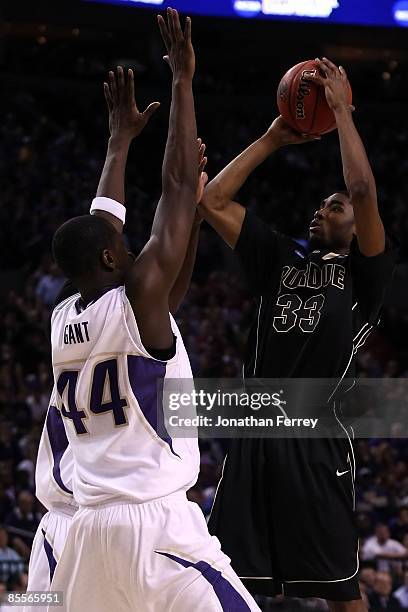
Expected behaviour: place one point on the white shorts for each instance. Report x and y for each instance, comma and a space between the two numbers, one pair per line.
48, 544
151, 557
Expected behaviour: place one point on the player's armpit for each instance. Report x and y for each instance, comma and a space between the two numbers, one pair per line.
226, 218
261, 251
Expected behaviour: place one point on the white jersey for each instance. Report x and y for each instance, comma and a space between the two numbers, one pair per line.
107, 390
55, 464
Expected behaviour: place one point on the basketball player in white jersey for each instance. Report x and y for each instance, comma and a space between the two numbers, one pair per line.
135, 543
54, 464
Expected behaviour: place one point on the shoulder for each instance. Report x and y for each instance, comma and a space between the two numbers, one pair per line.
255, 228
64, 305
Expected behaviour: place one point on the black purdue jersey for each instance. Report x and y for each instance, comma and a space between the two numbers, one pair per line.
315, 310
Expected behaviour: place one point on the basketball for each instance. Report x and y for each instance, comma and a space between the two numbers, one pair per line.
302, 103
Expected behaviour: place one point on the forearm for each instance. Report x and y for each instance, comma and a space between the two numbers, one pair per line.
180, 287
180, 158
356, 167
177, 207
228, 182
112, 181
360, 182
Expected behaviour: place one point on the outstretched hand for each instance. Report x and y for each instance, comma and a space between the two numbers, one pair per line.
180, 52
283, 134
125, 119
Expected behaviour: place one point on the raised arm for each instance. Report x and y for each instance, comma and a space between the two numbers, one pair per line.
357, 171
180, 287
126, 122
218, 206
151, 279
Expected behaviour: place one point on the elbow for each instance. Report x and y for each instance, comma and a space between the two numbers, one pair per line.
212, 199
359, 189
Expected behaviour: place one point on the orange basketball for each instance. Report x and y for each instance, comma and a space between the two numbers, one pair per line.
302, 103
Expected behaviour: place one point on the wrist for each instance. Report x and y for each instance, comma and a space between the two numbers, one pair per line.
182, 80
109, 205
119, 142
272, 141
343, 110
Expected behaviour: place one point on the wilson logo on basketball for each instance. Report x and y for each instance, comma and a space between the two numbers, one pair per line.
302, 92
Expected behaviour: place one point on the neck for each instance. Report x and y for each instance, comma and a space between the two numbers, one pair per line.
341, 250
330, 248
92, 291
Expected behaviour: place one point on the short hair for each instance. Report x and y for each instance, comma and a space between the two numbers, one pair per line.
343, 192
77, 245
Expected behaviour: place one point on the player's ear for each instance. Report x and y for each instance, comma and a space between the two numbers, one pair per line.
107, 259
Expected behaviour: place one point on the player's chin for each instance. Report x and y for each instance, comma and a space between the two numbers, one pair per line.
316, 239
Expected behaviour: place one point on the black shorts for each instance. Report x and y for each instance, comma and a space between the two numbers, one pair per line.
284, 513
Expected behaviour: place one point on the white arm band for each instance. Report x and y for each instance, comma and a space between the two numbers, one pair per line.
110, 206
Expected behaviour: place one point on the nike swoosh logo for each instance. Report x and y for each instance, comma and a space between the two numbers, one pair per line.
341, 473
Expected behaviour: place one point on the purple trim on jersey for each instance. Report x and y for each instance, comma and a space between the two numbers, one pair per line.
52, 562
144, 376
58, 442
229, 598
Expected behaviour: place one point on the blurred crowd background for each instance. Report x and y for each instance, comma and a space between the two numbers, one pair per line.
53, 135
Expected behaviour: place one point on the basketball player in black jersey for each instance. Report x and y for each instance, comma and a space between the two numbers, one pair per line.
284, 510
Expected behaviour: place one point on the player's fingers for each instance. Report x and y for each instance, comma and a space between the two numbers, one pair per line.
316, 78
164, 32
131, 85
113, 87
177, 27
202, 151
187, 30
324, 70
330, 66
170, 25
120, 79
150, 110
352, 108
204, 178
202, 165
343, 72
108, 97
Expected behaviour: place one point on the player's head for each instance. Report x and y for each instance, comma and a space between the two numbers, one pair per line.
333, 226
89, 250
